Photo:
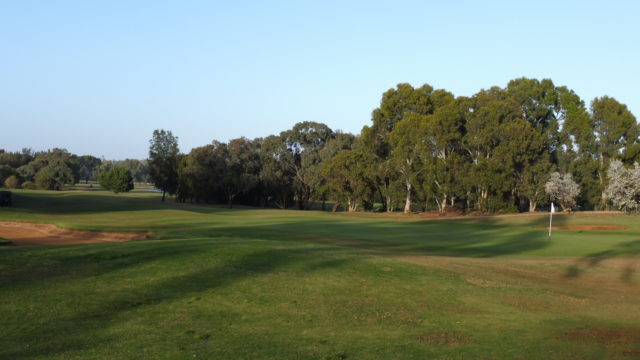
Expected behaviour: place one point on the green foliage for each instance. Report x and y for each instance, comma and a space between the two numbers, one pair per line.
276, 176
11, 182
304, 143
88, 168
349, 177
5, 172
54, 176
116, 179
163, 161
29, 185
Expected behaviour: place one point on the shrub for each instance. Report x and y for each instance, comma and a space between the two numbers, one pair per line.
29, 185
11, 182
117, 179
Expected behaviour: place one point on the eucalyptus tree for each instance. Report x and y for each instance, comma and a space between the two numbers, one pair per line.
349, 176
242, 168
304, 142
276, 174
340, 141
200, 173
490, 112
396, 170
442, 153
541, 104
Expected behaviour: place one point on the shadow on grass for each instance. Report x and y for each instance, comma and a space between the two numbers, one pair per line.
82, 202
398, 238
631, 248
77, 331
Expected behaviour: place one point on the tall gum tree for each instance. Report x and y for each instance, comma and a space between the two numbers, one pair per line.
304, 142
484, 131
396, 105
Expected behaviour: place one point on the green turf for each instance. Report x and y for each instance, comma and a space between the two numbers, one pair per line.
244, 283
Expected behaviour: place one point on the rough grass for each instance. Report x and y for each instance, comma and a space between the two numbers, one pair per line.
214, 283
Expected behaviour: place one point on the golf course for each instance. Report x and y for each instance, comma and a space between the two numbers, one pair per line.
209, 282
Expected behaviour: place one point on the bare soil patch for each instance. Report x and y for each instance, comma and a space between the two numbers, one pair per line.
24, 233
446, 338
605, 336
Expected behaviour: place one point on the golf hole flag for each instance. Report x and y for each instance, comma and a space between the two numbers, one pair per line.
553, 209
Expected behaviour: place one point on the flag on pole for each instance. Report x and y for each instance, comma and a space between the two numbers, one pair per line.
553, 209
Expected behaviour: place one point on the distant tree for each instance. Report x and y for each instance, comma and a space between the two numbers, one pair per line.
139, 169
276, 174
117, 179
563, 189
487, 124
200, 173
623, 188
242, 168
58, 158
16, 159
341, 141
54, 176
304, 143
163, 161
5, 172
88, 167
11, 182
349, 178
616, 132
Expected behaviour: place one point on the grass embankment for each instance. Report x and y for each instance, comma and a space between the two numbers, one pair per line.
214, 283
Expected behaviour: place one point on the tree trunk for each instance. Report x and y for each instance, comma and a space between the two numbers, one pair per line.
442, 204
532, 205
335, 206
389, 204
163, 193
407, 203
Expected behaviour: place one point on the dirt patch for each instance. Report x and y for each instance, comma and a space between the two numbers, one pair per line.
605, 336
446, 338
527, 303
24, 233
588, 227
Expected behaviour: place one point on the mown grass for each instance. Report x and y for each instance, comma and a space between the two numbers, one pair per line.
244, 283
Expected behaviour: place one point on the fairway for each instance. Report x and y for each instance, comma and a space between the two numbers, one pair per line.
210, 282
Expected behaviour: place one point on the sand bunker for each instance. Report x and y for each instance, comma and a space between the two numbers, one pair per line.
589, 227
24, 233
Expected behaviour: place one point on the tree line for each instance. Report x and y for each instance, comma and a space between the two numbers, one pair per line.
495, 151
57, 168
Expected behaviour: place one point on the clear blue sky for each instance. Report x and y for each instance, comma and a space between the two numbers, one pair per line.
97, 77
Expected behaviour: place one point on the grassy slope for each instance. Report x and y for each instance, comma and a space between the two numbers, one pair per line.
215, 283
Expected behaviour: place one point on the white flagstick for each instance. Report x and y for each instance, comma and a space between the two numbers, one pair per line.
551, 218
